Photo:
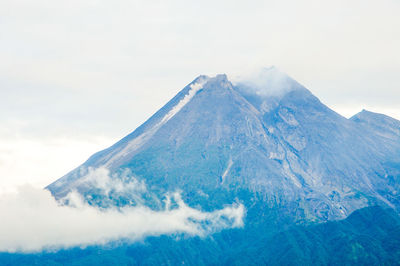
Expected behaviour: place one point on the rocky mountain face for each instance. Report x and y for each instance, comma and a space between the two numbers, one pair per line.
268, 143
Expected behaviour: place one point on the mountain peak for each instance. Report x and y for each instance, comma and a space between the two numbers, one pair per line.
221, 77
368, 115
381, 124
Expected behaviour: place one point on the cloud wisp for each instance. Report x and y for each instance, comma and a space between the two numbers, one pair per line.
267, 82
34, 221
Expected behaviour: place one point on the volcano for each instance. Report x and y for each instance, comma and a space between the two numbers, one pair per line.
265, 141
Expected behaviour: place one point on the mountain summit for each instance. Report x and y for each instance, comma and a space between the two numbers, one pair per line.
265, 141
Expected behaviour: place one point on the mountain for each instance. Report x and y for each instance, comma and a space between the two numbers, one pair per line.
267, 142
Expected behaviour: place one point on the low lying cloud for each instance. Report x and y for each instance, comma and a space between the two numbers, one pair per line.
123, 184
32, 220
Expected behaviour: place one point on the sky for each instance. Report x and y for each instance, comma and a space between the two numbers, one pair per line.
77, 76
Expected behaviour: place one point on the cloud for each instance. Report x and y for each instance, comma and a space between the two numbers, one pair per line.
269, 81
122, 184
32, 220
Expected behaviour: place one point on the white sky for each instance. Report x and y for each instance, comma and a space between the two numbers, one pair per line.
76, 76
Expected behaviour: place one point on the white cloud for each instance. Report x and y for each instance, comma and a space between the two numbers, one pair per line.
123, 183
269, 81
32, 220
